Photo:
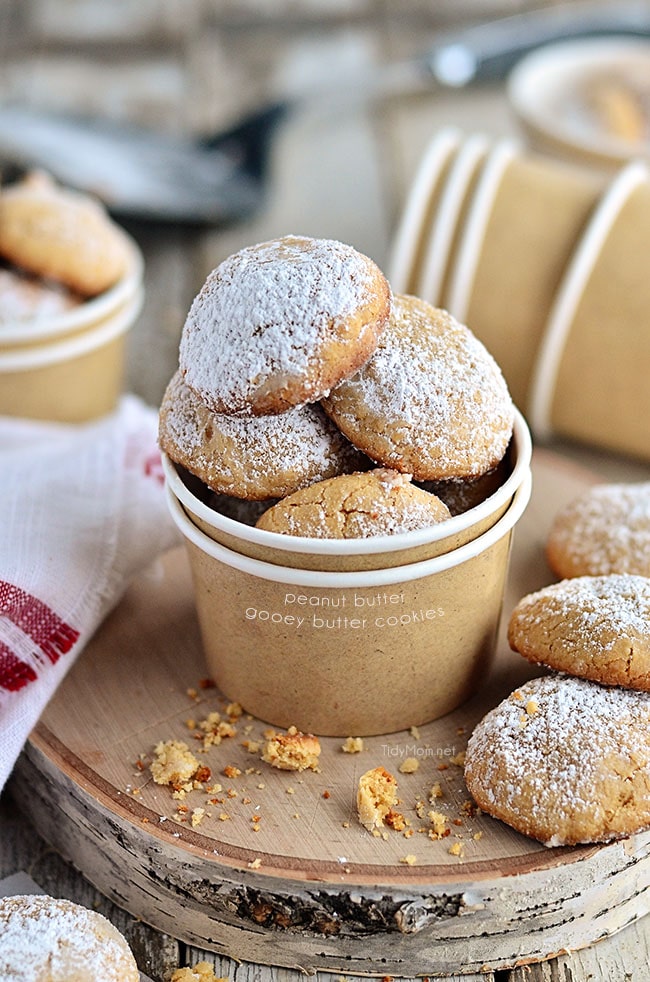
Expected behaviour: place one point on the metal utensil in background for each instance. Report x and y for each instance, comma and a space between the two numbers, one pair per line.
223, 177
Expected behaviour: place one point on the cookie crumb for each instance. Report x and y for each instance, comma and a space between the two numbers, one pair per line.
202, 972
198, 814
456, 849
439, 825
409, 860
292, 751
409, 766
376, 796
352, 745
174, 763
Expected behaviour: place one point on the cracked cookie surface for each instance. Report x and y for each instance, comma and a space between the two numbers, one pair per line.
252, 457
430, 402
564, 760
354, 506
597, 627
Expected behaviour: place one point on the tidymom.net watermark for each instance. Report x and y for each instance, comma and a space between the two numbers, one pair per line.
417, 750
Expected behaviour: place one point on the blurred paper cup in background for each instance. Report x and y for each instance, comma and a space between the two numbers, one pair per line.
586, 100
548, 267
70, 367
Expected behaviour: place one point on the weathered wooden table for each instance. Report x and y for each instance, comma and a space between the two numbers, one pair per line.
340, 173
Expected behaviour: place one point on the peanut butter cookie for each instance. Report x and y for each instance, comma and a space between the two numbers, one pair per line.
278, 324
49, 938
430, 402
604, 530
61, 235
565, 761
254, 458
355, 506
597, 627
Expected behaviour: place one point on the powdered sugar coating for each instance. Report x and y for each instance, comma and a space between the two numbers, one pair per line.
597, 627
356, 506
24, 298
255, 458
431, 401
43, 939
565, 761
277, 324
604, 530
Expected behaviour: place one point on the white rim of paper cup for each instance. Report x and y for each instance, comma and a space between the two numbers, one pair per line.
475, 226
570, 293
409, 232
99, 307
541, 79
373, 544
436, 254
335, 580
40, 356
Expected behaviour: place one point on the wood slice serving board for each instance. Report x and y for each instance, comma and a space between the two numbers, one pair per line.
278, 870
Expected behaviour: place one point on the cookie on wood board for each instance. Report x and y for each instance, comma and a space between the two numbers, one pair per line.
595, 627
565, 761
604, 530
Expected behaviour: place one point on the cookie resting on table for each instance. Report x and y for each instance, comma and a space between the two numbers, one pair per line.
252, 457
565, 761
604, 530
431, 401
278, 324
596, 627
356, 506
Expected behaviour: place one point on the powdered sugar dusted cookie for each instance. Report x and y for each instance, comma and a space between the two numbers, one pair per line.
278, 324
61, 235
431, 401
46, 938
606, 529
565, 761
252, 457
355, 506
597, 627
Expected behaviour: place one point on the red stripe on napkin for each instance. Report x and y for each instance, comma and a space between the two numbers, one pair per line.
14, 673
53, 636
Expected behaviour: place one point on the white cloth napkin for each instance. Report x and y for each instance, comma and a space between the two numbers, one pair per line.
82, 510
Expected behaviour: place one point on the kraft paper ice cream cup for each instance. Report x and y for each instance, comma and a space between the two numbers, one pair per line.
521, 229
591, 377
350, 653
351, 555
70, 367
420, 211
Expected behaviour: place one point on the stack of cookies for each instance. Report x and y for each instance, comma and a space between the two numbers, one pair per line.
566, 757
306, 390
